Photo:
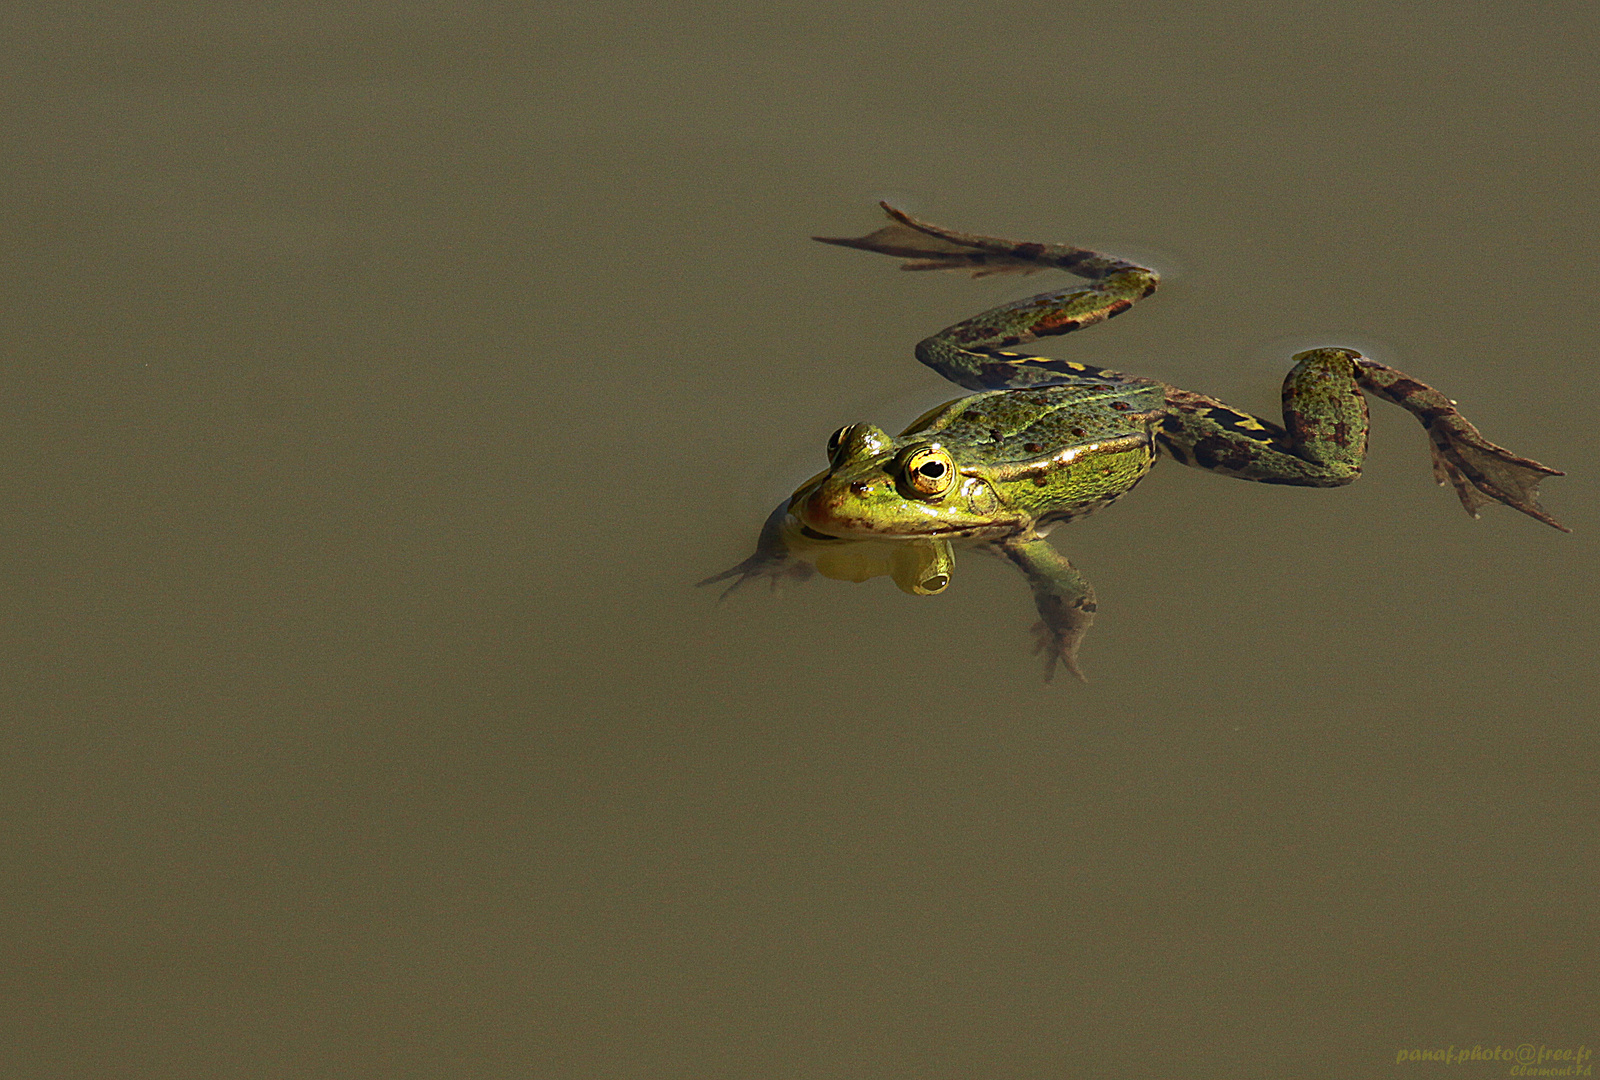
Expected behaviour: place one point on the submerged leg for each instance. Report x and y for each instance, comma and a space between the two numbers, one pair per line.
970, 353
772, 559
1323, 440
1065, 600
1481, 471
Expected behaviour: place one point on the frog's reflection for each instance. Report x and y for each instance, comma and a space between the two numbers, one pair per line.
920, 567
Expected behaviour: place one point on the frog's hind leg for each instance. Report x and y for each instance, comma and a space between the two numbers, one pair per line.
971, 353
1323, 440
1480, 471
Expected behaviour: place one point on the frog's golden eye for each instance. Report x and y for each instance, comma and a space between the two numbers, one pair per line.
836, 440
929, 471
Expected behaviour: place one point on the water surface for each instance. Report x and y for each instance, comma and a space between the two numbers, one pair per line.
379, 378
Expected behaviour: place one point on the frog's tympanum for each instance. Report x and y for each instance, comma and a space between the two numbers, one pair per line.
1039, 441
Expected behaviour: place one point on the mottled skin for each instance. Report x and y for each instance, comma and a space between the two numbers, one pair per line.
1043, 441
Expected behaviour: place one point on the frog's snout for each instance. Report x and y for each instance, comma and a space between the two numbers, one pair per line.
821, 510
836, 508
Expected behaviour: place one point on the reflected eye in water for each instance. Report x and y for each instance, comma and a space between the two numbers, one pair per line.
922, 567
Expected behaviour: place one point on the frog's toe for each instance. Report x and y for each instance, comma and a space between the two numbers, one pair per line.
1482, 472
1057, 647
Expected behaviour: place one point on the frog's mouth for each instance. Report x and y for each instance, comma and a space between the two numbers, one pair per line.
954, 531
829, 513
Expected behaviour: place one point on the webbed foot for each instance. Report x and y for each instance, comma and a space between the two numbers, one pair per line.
930, 247
1483, 472
775, 570
772, 560
933, 247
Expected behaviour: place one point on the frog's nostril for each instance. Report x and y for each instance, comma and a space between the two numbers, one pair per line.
860, 487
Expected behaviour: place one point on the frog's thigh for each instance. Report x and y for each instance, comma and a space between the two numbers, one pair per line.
1202, 432
1323, 410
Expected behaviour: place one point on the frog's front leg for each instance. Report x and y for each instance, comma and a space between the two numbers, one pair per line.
1323, 440
1065, 600
772, 559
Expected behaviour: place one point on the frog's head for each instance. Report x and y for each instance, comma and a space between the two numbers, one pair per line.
880, 487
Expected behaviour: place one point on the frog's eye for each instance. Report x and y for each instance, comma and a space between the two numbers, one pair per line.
929, 471
856, 439
836, 440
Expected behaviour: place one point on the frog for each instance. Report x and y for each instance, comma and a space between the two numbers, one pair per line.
1038, 442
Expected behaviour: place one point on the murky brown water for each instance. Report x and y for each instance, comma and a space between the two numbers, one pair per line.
378, 379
